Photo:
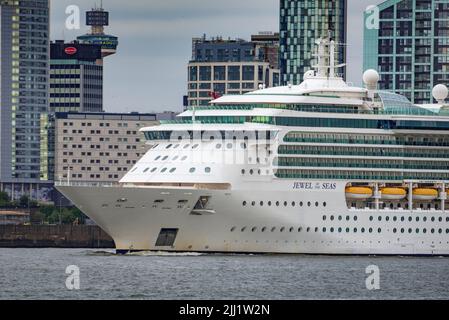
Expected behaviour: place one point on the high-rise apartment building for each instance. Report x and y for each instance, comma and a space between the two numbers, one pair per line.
24, 78
302, 22
410, 49
76, 77
234, 66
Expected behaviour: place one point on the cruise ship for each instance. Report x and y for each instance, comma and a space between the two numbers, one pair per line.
322, 167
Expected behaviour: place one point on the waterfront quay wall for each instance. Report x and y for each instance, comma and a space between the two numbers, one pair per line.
54, 236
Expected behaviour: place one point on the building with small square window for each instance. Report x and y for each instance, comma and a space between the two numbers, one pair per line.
232, 66
410, 47
100, 147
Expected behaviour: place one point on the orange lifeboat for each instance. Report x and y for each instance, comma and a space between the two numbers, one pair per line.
359, 193
393, 193
425, 194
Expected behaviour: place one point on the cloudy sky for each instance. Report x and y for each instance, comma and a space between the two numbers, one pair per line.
148, 73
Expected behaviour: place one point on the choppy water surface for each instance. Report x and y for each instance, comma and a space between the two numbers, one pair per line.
40, 274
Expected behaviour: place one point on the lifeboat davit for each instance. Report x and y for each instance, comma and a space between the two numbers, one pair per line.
359, 193
393, 193
425, 194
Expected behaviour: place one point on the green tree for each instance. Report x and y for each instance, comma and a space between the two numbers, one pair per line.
4, 199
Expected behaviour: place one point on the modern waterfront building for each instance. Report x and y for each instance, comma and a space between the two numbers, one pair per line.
410, 49
24, 80
76, 77
236, 66
100, 147
97, 19
302, 23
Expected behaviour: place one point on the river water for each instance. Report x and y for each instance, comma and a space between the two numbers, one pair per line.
41, 274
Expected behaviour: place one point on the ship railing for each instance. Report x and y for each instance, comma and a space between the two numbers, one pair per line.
87, 184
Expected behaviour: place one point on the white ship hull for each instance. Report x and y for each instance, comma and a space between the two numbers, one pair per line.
130, 216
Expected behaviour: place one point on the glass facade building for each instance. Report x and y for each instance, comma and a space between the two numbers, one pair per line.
302, 22
410, 49
24, 70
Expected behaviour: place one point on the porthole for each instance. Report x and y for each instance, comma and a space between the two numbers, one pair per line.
447, 230
243, 229
340, 230
379, 230
172, 170
395, 230
316, 204
371, 218
254, 229
285, 203
264, 229
355, 230
410, 219
387, 218
309, 204
293, 204
233, 229
316, 229
291, 229
261, 203
251, 172
324, 218
340, 218
218, 146
273, 229
402, 219
308, 229
332, 229
324, 229
348, 218
402, 230
440, 219
379, 218
192, 170
301, 204
424, 230
417, 219
300, 229
347, 230
229, 146
269, 203
207, 170
282, 229
332, 218
424, 219
447, 219
277, 203
395, 219
417, 230
324, 204
440, 231
243, 171
244, 203
432, 219
370, 230
253, 203
362, 230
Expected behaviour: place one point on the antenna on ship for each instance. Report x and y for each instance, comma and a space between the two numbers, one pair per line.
326, 66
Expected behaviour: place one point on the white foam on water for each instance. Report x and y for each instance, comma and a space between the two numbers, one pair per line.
164, 253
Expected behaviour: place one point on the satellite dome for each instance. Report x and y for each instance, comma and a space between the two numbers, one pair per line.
371, 77
440, 92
